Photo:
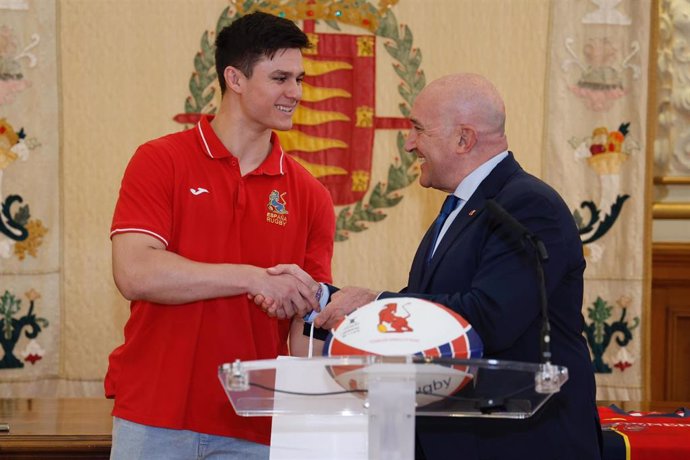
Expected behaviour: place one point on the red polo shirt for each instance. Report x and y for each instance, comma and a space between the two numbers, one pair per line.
186, 190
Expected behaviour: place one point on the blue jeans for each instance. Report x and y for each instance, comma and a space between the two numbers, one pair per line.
132, 441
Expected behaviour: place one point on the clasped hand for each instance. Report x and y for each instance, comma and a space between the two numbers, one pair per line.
285, 291
341, 303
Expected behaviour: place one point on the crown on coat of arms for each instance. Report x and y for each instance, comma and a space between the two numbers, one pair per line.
358, 13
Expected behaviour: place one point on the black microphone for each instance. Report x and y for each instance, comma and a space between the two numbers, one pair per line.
521, 233
517, 229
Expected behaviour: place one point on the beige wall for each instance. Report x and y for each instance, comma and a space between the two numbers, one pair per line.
125, 67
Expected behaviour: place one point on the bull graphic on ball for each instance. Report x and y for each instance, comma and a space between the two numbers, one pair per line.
391, 321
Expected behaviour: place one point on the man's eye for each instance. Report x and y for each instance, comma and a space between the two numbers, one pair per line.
280, 79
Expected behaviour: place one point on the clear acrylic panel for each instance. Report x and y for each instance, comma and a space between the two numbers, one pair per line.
339, 385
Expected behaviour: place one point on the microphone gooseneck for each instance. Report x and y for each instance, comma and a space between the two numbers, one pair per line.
522, 234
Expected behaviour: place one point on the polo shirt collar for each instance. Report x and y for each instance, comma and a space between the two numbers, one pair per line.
274, 164
212, 146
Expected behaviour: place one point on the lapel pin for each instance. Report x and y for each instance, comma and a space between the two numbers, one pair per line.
472, 212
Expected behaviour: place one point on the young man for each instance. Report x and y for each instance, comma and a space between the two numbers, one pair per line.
200, 215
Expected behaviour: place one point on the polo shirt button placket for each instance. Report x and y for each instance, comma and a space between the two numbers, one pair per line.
241, 198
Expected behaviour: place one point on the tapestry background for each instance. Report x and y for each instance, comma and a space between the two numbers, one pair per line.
124, 72
595, 155
30, 226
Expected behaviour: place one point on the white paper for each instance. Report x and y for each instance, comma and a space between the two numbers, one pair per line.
317, 437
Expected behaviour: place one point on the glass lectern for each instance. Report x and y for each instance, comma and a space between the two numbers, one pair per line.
390, 391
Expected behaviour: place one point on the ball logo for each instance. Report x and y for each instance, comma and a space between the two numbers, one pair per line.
350, 328
391, 321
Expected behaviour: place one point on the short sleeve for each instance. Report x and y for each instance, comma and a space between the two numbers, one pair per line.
145, 202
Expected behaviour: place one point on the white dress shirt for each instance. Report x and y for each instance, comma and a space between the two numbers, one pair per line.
467, 187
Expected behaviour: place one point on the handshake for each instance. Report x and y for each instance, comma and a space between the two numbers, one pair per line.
285, 291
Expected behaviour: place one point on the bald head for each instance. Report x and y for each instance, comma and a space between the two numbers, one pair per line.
458, 123
471, 99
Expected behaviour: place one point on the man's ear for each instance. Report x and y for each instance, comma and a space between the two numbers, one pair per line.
233, 78
467, 139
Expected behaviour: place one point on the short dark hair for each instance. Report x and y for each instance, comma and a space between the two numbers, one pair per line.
253, 36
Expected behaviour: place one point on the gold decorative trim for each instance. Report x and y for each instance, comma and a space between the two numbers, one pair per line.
671, 210
358, 13
672, 180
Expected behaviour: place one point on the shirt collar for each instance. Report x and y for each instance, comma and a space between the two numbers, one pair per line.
274, 164
470, 183
213, 148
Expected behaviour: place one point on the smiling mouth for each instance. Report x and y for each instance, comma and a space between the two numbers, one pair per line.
286, 108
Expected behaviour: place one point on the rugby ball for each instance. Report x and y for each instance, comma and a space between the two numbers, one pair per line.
406, 326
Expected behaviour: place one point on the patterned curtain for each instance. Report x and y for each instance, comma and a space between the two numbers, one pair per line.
29, 195
595, 144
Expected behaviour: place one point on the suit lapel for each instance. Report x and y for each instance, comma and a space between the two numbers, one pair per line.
465, 218
467, 215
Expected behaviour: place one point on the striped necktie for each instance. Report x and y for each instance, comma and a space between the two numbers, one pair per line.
449, 206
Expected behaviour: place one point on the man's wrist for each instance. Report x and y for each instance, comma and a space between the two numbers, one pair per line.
323, 294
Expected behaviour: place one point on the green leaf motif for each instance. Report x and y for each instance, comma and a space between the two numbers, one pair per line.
22, 215
599, 313
9, 305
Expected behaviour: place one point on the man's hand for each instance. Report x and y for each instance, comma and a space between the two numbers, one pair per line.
346, 300
286, 291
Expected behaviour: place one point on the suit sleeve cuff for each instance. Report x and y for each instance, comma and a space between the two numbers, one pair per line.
387, 295
325, 292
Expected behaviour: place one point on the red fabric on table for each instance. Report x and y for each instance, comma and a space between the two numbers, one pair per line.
645, 435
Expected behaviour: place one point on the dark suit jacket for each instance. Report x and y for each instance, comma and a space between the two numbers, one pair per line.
484, 274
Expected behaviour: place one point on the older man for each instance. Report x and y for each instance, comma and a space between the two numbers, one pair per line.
468, 264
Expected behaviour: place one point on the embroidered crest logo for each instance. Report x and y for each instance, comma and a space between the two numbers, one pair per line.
335, 124
277, 208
